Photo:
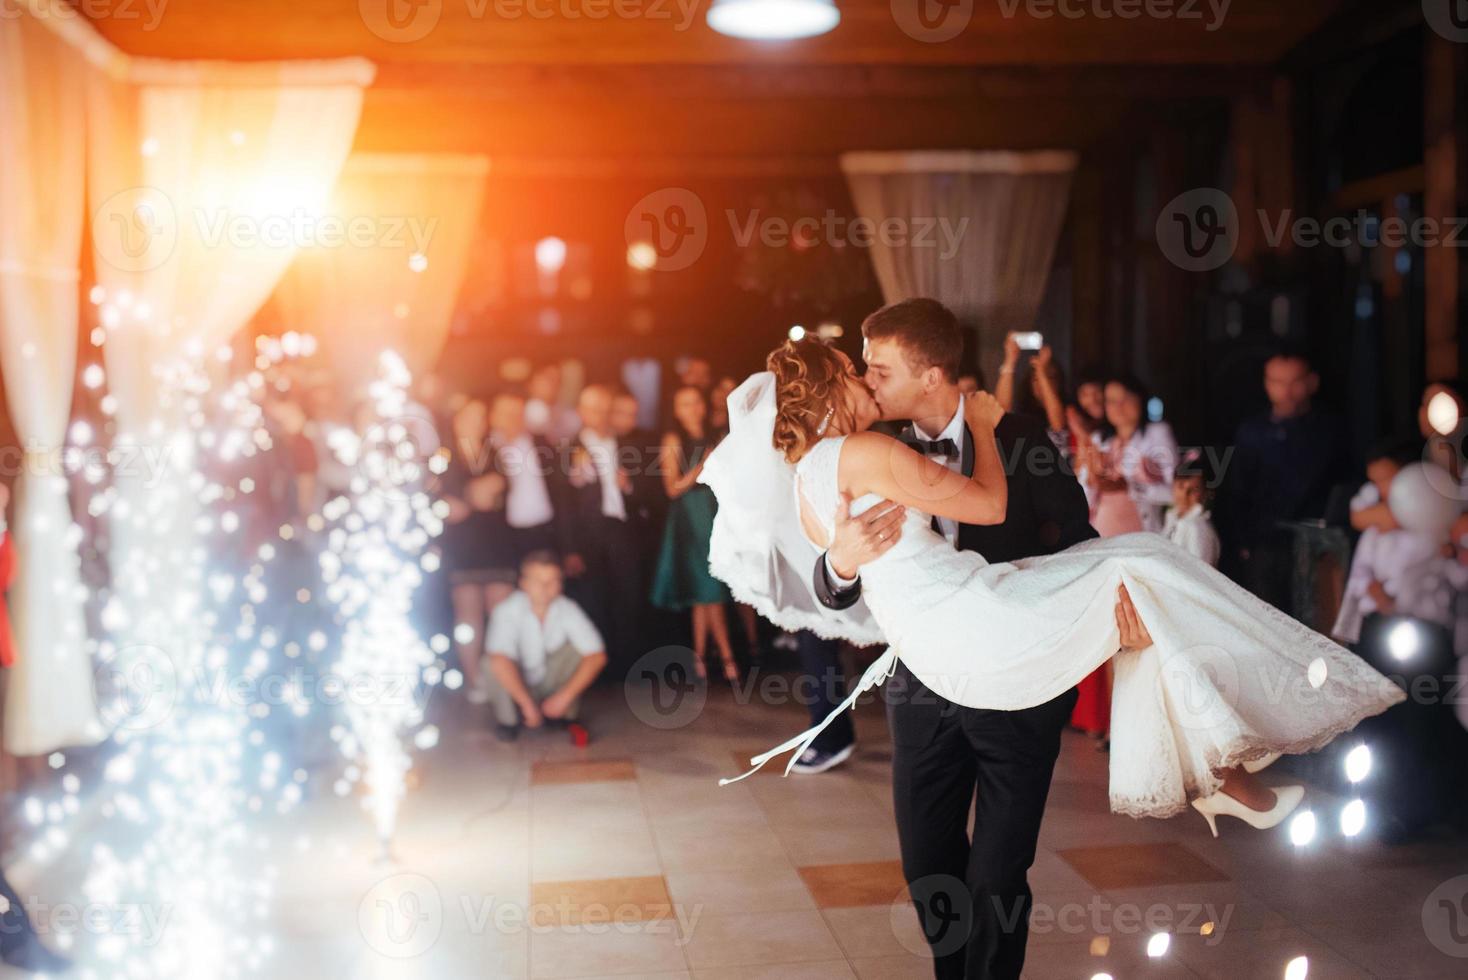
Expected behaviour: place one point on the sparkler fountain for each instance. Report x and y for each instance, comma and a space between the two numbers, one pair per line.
190, 629
177, 793
373, 565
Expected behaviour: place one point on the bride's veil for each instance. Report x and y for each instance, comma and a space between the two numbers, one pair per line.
758, 548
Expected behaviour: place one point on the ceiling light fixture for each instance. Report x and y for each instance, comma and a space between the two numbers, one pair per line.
773, 20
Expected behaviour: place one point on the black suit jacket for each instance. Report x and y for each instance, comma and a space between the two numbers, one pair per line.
581, 527
1047, 512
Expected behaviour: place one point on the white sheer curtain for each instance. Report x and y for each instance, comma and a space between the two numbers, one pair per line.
999, 217
49, 701
200, 180
206, 179
390, 282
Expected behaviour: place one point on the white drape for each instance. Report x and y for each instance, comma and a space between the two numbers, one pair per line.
204, 178
1003, 212
391, 279
49, 699
206, 181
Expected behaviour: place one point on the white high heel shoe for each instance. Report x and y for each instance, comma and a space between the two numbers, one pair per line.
1286, 798
1259, 765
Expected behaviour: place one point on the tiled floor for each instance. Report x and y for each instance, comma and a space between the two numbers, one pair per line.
627, 859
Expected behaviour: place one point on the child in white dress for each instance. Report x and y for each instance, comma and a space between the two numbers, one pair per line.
1189, 525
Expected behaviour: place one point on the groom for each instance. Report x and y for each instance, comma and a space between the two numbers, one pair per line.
947, 757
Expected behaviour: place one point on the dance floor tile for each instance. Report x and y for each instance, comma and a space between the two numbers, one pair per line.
690, 849
760, 938
755, 886
763, 876
1050, 873
1393, 944
835, 844
1321, 894
735, 811
582, 771
818, 801
1262, 953
892, 968
878, 932
610, 854
608, 900
635, 949
849, 885
1060, 916
1125, 959
830, 970
1183, 909
1140, 865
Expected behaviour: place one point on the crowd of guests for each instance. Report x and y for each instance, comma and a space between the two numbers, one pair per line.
573, 534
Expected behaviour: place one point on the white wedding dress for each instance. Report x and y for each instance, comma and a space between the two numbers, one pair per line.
1228, 679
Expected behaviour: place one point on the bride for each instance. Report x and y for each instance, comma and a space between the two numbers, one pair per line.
1228, 681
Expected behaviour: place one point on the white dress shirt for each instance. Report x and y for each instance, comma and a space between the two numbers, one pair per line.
527, 501
957, 430
1399, 560
1193, 532
517, 633
954, 430
603, 452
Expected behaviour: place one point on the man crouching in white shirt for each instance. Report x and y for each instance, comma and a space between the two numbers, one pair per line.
543, 653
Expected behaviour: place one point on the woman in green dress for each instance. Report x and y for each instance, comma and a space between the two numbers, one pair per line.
682, 580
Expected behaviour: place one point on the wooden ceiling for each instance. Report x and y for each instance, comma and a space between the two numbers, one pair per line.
580, 32
582, 83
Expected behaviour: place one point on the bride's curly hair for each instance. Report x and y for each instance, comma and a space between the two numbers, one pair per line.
809, 379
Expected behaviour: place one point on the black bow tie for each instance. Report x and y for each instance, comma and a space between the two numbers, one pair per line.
937, 447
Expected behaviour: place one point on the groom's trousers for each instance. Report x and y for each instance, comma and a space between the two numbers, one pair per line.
972, 896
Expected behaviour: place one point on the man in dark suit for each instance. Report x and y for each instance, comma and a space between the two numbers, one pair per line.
598, 529
947, 757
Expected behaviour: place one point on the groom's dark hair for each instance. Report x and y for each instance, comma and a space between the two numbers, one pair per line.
927, 331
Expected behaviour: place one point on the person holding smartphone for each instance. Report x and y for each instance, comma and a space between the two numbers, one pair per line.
1046, 385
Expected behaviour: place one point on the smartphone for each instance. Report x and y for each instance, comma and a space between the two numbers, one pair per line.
1033, 340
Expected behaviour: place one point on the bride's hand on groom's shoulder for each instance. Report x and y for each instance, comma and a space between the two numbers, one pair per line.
982, 410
